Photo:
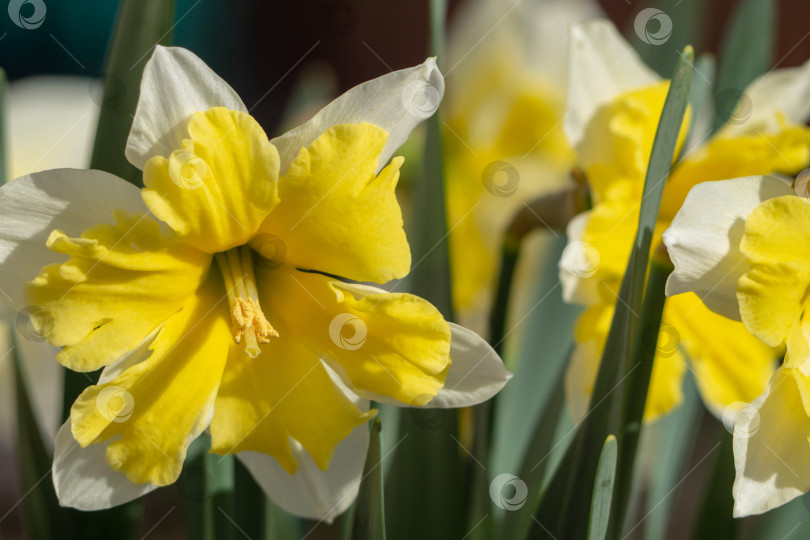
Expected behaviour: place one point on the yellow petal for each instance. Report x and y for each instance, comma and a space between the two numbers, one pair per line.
283, 393
394, 344
776, 243
160, 405
217, 189
335, 215
785, 152
730, 365
122, 281
618, 140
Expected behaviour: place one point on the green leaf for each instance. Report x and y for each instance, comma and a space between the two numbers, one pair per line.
685, 20
516, 524
715, 515
667, 443
535, 357
426, 490
603, 490
368, 517
746, 53
279, 524
141, 25
207, 484
622, 366
249, 502
42, 515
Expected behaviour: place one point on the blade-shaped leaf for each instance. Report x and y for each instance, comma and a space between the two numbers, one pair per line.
747, 53
603, 490
561, 510
426, 490
42, 515
368, 517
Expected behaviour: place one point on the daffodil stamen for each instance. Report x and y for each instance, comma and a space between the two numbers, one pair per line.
246, 314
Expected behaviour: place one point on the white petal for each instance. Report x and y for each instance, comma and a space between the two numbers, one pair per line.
397, 102
34, 205
704, 238
783, 93
577, 287
175, 84
311, 492
771, 449
602, 66
476, 374
84, 480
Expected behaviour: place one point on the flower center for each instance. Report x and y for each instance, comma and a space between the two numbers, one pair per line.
246, 314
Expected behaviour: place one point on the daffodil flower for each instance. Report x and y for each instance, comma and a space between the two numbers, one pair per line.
210, 297
615, 102
503, 136
741, 245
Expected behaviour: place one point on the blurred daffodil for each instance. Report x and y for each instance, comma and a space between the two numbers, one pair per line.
210, 297
614, 105
503, 136
742, 246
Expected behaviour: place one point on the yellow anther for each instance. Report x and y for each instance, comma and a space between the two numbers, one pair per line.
247, 316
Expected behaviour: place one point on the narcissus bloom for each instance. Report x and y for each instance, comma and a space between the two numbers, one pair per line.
210, 297
503, 136
742, 246
615, 102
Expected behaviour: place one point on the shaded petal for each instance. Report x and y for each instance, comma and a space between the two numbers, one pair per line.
281, 399
729, 364
121, 282
397, 102
154, 409
217, 188
602, 66
771, 448
34, 205
776, 243
311, 492
779, 95
394, 344
175, 84
704, 239
84, 480
335, 215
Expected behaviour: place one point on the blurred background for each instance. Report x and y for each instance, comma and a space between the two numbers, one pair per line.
285, 59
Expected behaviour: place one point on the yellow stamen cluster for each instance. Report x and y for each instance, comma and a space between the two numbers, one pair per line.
246, 314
